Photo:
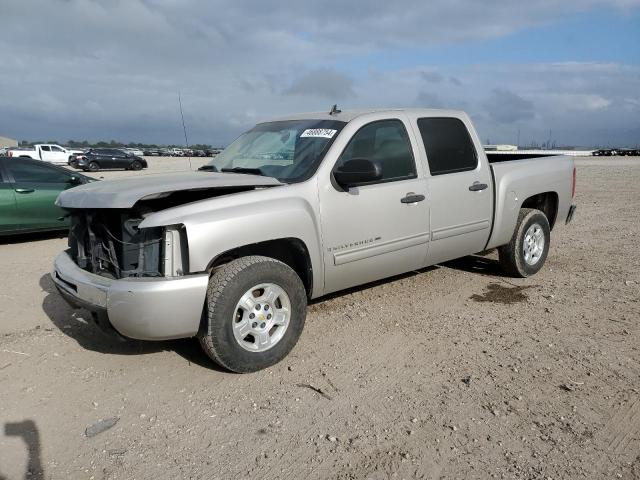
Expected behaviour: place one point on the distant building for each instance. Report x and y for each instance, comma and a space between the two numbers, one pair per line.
8, 142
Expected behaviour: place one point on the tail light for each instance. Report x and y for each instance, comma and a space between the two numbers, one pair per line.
573, 184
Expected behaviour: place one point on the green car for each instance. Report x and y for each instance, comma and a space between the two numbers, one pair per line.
28, 191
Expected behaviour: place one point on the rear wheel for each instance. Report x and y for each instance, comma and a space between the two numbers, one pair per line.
256, 309
527, 251
94, 167
136, 165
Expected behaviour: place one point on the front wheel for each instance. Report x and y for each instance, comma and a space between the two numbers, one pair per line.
256, 309
94, 167
527, 251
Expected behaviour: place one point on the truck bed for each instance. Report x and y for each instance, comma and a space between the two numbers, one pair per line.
516, 179
494, 157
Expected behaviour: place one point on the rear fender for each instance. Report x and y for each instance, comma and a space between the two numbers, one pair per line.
517, 181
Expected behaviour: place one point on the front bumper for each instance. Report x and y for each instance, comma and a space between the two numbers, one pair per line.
142, 308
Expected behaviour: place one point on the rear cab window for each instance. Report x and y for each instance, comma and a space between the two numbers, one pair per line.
448, 145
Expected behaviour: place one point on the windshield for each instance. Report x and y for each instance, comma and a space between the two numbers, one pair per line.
288, 150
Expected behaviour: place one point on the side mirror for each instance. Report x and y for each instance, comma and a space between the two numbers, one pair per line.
75, 180
357, 171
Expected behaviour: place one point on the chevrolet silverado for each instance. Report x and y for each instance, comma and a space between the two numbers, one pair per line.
292, 210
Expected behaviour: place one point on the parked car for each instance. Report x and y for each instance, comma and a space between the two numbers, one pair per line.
151, 152
295, 209
212, 152
134, 151
629, 152
28, 190
46, 152
109, 158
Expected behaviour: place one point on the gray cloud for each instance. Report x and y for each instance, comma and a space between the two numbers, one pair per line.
432, 76
112, 69
504, 106
429, 100
323, 82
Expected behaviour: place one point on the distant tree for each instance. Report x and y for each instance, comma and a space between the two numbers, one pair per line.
117, 144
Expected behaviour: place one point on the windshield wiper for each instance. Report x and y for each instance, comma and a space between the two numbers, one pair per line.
249, 170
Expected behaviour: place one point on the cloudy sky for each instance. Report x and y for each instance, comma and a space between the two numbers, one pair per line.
109, 69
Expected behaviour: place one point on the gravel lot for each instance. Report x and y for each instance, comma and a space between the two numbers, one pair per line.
450, 372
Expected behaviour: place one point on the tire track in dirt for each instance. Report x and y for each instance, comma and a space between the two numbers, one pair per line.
621, 433
300, 462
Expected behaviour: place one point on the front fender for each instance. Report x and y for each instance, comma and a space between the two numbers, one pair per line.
221, 224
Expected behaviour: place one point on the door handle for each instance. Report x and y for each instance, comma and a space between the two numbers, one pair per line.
412, 198
477, 186
25, 190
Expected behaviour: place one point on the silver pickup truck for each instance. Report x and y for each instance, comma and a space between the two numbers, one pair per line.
294, 209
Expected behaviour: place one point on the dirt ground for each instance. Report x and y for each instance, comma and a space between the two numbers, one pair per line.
450, 372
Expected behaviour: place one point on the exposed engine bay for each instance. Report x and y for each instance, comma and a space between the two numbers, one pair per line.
108, 242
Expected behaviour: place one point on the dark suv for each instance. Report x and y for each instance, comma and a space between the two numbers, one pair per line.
106, 158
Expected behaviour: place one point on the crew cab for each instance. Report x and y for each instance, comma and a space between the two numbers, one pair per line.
46, 152
292, 210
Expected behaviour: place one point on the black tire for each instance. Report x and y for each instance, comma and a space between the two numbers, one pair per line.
135, 165
94, 167
226, 286
73, 163
512, 255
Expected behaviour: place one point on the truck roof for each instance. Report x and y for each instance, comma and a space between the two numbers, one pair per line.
348, 115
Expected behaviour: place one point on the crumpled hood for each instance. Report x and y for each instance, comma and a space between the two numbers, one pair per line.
124, 193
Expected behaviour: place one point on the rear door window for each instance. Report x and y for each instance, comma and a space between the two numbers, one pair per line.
448, 145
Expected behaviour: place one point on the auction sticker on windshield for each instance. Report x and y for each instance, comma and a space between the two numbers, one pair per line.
318, 133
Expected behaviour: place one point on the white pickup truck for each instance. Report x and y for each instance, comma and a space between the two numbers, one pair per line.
294, 209
47, 152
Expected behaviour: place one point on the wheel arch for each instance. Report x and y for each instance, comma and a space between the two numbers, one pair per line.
546, 202
290, 251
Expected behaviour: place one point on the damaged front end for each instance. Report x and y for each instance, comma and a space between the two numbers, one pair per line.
109, 242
